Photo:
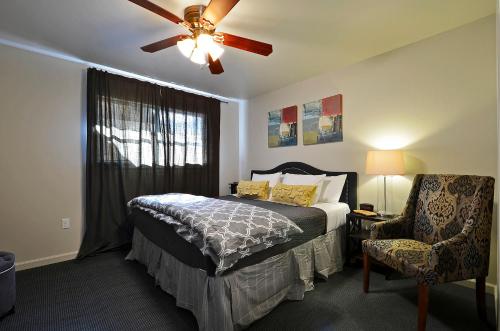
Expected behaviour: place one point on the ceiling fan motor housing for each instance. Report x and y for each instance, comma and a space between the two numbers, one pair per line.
192, 14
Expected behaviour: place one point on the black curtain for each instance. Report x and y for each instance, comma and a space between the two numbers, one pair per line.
143, 139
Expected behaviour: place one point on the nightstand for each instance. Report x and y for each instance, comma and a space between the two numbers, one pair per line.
355, 234
232, 187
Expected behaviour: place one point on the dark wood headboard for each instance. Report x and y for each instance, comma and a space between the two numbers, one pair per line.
349, 193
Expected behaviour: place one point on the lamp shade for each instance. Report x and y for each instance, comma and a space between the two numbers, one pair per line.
384, 163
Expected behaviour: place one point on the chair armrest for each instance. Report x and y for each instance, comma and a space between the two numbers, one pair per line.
458, 258
447, 251
398, 228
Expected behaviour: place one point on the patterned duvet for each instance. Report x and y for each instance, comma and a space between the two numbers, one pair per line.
226, 231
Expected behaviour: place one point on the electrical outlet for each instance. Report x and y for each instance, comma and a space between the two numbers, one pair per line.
65, 223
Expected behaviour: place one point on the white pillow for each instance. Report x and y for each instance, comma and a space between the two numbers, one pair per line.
332, 188
272, 178
292, 179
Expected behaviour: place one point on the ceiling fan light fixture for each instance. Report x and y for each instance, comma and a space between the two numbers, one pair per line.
204, 41
199, 56
186, 46
215, 51
207, 44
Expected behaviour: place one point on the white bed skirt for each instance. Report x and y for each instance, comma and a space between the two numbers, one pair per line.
235, 300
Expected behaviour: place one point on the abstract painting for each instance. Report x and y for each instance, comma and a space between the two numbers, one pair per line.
322, 121
282, 127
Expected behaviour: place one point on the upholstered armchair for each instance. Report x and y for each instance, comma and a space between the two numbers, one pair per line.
442, 236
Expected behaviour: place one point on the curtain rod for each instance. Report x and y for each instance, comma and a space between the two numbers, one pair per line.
159, 82
74, 59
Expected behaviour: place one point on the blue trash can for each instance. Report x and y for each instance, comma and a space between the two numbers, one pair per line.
7, 283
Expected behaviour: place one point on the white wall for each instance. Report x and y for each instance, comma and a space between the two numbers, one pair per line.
243, 138
435, 99
41, 144
229, 146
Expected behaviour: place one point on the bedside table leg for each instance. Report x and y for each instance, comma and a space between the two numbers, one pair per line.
366, 272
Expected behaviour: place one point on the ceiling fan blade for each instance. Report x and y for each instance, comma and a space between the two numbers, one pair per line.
215, 66
247, 44
158, 10
162, 44
217, 10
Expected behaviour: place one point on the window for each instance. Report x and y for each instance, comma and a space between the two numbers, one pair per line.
173, 138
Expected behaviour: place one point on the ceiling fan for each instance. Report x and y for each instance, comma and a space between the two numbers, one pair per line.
203, 44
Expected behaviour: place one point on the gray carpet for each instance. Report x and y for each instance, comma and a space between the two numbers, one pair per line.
108, 293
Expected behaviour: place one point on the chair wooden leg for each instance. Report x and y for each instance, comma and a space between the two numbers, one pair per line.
366, 272
481, 297
423, 303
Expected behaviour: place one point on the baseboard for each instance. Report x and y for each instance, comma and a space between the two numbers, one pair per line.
23, 265
471, 283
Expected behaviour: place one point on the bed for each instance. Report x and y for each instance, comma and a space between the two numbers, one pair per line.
255, 284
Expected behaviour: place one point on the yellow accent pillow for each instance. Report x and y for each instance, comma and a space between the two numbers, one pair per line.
253, 190
300, 195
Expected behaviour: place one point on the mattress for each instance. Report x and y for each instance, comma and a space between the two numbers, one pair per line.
313, 222
335, 214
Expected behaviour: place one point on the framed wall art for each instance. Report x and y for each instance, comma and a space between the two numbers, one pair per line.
282, 127
322, 121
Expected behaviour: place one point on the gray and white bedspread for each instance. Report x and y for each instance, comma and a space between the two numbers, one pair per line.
226, 231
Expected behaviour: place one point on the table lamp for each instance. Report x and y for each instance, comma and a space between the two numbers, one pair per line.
384, 163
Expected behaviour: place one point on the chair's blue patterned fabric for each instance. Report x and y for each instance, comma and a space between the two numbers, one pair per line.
444, 232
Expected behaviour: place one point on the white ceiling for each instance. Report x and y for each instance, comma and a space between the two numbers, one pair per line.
308, 36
